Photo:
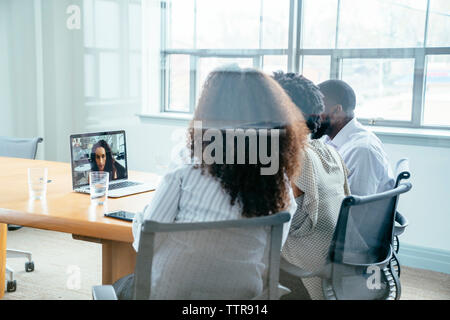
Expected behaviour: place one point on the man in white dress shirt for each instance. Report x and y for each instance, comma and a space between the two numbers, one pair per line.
361, 150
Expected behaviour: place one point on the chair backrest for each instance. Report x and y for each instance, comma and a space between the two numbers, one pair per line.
402, 171
362, 244
364, 230
208, 260
18, 147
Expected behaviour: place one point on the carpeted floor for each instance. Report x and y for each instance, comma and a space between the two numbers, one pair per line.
67, 269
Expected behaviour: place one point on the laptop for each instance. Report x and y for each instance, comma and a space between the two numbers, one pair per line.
103, 151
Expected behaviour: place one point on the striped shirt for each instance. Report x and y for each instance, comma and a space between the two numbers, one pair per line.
187, 195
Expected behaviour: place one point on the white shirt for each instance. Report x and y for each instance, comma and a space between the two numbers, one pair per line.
187, 195
367, 162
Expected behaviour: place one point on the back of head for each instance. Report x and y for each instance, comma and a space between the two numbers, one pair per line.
239, 98
339, 92
261, 120
305, 94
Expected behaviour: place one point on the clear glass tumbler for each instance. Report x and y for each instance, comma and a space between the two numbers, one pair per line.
98, 183
37, 183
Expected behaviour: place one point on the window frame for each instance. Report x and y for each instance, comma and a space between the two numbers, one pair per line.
124, 52
295, 53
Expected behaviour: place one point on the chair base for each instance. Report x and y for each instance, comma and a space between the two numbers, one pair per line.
13, 227
11, 284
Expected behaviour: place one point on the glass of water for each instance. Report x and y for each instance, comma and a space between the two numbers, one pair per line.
98, 183
37, 183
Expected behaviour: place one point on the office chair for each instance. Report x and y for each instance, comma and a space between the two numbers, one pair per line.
402, 173
18, 148
359, 263
211, 261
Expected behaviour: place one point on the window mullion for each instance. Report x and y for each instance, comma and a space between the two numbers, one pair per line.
293, 26
164, 57
193, 65
298, 62
338, 17
258, 62
335, 67
418, 88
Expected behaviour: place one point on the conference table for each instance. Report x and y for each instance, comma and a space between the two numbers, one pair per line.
66, 211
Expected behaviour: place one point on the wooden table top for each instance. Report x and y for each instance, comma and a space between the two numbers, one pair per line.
64, 210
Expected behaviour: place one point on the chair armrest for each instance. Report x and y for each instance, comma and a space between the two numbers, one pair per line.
294, 270
104, 293
282, 291
402, 224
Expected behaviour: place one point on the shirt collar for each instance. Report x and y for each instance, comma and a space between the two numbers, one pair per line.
343, 136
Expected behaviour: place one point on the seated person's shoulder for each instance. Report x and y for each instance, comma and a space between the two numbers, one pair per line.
181, 171
367, 151
323, 150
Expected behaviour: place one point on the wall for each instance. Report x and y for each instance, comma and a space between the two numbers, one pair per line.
6, 125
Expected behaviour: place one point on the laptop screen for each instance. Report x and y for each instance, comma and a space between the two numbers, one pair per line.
103, 151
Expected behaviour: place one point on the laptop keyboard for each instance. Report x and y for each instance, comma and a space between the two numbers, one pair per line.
123, 184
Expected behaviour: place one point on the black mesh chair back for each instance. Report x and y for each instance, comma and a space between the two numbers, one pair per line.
361, 244
402, 173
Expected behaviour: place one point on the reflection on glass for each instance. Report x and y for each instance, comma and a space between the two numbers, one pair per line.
179, 82
95, 211
274, 63
437, 97
275, 24
319, 23
206, 65
316, 68
109, 75
135, 75
88, 23
89, 75
230, 24
134, 20
107, 24
383, 87
37, 206
381, 24
439, 24
181, 24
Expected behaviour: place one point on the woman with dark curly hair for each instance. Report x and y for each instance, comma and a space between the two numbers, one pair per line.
102, 159
319, 191
243, 124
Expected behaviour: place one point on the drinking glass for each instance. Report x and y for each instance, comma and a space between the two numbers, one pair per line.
98, 183
37, 183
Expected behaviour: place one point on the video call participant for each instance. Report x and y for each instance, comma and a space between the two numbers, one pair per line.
319, 192
362, 151
202, 191
103, 160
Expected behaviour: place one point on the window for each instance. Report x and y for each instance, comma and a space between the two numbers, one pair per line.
437, 93
112, 50
383, 87
400, 71
202, 35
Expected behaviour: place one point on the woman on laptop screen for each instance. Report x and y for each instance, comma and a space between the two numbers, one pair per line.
102, 160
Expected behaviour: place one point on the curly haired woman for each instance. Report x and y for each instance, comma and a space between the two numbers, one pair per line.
230, 187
